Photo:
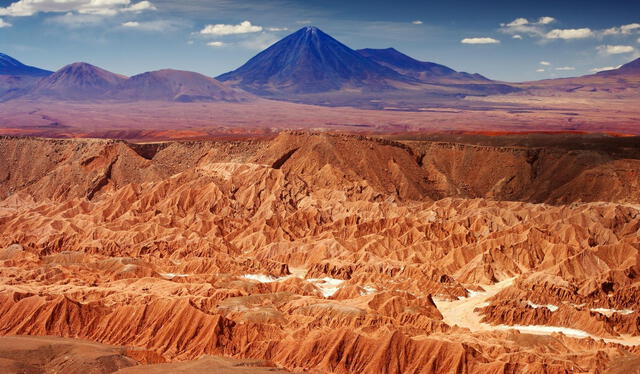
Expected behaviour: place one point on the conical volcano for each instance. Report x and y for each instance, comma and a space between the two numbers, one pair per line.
78, 81
310, 61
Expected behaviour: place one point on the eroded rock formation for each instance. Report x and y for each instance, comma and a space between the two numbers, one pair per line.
326, 253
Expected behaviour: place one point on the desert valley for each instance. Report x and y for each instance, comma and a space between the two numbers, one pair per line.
319, 209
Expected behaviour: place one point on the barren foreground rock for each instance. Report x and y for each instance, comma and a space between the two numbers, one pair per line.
321, 253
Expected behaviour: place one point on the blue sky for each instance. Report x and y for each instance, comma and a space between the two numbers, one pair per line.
506, 40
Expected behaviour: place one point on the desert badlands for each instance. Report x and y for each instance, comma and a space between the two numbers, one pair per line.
322, 253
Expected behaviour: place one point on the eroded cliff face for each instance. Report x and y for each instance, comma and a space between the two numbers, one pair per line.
326, 253
410, 170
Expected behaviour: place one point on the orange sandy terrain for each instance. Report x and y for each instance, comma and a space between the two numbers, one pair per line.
321, 253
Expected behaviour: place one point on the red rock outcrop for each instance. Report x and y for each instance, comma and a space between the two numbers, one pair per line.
298, 252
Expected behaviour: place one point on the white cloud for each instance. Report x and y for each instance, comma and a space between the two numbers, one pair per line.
624, 29
304, 22
628, 29
23, 8
483, 40
565, 68
139, 7
417, 22
540, 71
597, 70
221, 29
518, 22
545, 63
275, 29
255, 42
259, 42
520, 26
75, 20
567, 34
158, 25
546, 20
615, 49
540, 29
4, 23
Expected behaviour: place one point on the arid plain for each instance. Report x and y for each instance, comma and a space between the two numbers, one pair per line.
162, 121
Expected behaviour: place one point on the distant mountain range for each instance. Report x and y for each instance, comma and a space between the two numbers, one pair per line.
16, 76
308, 66
179, 86
619, 83
420, 70
81, 81
632, 68
11, 66
311, 66
77, 81
310, 61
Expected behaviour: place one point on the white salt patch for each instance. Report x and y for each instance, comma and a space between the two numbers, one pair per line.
367, 290
173, 275
539, 329
328, 286
296, 273
474, 293
471, 294
611, 311
261, 278
129, 267
551, 307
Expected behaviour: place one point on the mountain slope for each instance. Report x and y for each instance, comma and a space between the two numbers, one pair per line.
631, 68
176, 85
78, 81
16, 77
421, 70
311, 67
310, 61
11, 66
623, 82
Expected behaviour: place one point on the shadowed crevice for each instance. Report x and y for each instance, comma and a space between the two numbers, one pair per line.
279, 162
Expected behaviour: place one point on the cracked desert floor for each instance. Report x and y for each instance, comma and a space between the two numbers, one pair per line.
321, 253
